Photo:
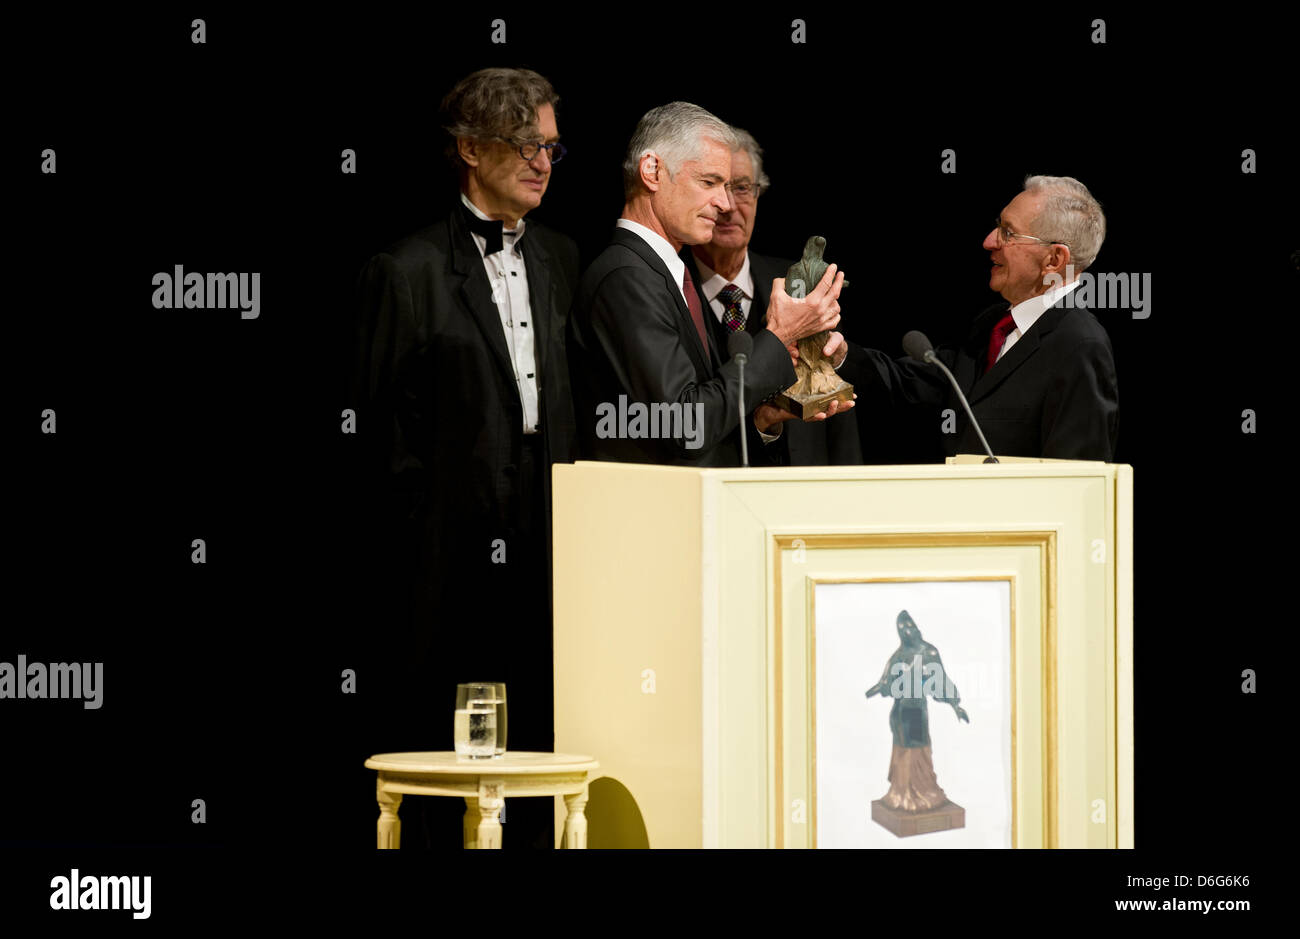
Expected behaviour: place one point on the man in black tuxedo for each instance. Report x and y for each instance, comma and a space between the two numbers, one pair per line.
1038, 371
465, 371
638, 337
735, 284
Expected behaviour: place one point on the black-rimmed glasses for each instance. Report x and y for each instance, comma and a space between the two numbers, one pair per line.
529, 150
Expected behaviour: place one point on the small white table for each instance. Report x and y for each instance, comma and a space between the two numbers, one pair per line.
484, 785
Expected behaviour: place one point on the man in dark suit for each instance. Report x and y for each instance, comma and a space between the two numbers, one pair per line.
1038, 370
735, 284
639, 343
465, 369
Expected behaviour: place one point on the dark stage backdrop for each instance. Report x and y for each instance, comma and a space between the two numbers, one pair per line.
172, 425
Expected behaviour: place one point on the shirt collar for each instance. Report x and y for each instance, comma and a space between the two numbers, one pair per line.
507, 233
1027, 312
712, 283
660, 246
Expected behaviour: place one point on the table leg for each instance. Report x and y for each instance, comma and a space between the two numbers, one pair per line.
390, 826
471, 822
575, 821
490, 799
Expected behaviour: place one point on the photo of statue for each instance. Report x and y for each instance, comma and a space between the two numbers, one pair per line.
914, 672
937, 758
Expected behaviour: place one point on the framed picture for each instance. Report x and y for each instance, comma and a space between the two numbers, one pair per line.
835, 634
926, 760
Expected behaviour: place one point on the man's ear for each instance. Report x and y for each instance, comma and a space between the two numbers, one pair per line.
648, 169
1058, 256
469, 150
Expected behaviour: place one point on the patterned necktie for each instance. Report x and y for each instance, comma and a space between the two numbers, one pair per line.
693, 303
1004, 328
734, 316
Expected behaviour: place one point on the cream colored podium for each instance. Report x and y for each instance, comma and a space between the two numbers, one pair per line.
686, 637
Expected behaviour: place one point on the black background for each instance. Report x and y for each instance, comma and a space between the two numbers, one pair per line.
219, 679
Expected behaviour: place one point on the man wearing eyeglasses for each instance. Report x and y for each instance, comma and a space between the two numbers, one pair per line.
1039, 373
735, 284
638, 334
465, 391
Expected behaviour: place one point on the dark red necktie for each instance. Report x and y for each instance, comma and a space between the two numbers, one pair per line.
1004, 328
693, 302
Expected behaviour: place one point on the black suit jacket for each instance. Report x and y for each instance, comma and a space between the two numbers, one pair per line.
631, 334
437, 377
830, 442
1053, 394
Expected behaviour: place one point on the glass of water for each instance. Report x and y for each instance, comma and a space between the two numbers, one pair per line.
500, 688
475, 729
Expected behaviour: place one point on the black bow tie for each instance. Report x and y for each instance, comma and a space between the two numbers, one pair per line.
490, 229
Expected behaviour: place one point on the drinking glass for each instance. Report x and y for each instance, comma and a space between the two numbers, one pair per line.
475, 727
500, 689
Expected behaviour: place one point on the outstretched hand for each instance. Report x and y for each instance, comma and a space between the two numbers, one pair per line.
832, 409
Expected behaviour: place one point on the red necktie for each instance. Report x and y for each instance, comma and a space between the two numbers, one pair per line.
1004, 328
693, 302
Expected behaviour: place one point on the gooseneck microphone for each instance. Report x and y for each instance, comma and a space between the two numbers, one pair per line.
920, 349
739, 345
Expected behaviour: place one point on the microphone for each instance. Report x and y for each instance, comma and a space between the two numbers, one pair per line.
920, 349
739, 345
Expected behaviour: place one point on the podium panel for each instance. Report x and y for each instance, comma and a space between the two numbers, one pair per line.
716, 632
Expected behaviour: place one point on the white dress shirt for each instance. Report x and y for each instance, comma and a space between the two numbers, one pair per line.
714, 283
744, 279
509, 280
661, 247
1026, 313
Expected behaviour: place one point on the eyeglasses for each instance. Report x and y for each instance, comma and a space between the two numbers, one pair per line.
1006, 234
530, 149
744, 192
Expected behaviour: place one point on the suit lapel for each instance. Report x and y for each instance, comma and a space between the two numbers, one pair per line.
717, 331
763, 272
757, 318
1018, 354
476, 292
685, 324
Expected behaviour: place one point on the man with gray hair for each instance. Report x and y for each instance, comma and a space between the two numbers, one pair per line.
638, 338
1037, 369
464, 402
735, 284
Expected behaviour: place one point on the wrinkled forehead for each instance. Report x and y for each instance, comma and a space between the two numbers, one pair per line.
546, 122
714, 160
1021, 211
542, 127
742, 167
